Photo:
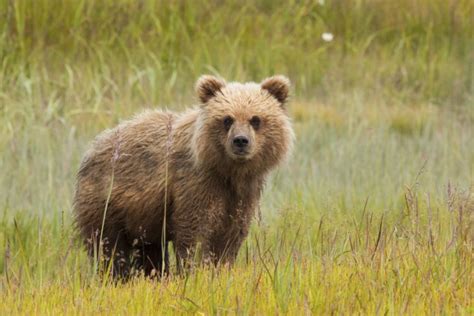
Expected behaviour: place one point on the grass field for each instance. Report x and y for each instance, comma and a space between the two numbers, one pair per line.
374, 213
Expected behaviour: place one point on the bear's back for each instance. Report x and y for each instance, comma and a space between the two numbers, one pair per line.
127, 166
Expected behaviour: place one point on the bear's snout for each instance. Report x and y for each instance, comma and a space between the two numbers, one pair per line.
240, 145
240, 142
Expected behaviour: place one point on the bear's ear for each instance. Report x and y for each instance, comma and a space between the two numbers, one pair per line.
277, 86
207, 86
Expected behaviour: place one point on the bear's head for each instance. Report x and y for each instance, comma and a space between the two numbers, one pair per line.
242, 127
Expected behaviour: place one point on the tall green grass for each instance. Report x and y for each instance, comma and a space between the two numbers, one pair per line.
416, 49
373, 213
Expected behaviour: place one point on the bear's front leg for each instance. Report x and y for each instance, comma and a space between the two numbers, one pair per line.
225, 246
191, 239
227, 241
199, 210
191, 253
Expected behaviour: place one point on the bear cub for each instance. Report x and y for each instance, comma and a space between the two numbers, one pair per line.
193, 179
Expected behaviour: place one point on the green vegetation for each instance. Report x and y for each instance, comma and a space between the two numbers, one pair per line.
374, 212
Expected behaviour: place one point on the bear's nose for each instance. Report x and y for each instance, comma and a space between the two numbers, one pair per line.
240, 142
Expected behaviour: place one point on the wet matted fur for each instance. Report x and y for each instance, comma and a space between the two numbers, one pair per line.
192, 178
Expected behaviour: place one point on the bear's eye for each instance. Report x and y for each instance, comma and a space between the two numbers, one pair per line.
255, 122
228, 122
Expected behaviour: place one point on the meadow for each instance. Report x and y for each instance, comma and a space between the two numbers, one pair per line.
373, 213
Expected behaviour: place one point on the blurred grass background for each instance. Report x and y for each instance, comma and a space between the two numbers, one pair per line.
384, 116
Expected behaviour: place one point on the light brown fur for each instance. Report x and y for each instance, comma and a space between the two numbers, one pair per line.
177, 177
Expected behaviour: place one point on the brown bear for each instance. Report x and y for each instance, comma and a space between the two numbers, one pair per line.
192, 178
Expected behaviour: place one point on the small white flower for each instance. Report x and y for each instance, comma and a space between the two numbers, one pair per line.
327, 37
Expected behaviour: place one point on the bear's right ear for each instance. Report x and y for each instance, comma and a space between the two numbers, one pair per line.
207, 87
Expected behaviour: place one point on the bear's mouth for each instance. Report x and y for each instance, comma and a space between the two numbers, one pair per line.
240, 151
240, 154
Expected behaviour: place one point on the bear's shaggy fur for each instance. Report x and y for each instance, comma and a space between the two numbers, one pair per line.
193, 178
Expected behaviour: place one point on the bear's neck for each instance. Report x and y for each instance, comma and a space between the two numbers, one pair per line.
237, 179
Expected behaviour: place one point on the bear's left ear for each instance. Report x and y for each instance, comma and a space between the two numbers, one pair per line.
207, 86
277, 86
